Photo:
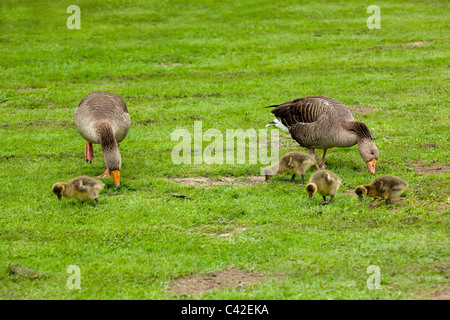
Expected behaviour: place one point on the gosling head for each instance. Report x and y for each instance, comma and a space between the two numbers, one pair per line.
369, 153
58, 189
361, 191
270, 171
311, 188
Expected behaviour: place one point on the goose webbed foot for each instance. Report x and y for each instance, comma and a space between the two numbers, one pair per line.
104, 174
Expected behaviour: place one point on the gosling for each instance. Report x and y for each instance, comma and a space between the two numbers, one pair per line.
82, 188
294, 162
385, 187
325, 183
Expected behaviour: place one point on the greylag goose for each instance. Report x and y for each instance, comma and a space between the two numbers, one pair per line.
385, 187
82, 188
325, 183
322, 123
103, 118
294, 162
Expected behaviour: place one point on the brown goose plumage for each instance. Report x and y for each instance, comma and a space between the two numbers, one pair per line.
103, 118
320, 122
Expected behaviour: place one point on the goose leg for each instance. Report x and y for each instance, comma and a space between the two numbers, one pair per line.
314, 155
89, 152
388, 201
104, 174
322, 162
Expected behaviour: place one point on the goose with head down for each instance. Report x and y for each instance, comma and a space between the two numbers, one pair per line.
103, 118
320, 122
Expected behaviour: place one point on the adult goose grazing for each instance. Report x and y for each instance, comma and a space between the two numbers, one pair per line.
103, 118
322, 123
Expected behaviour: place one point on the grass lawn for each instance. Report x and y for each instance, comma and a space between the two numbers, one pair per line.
177, 62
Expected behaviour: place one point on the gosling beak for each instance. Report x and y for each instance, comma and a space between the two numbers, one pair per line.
59, 197
360, 198
116, 177
310, 196
371, 165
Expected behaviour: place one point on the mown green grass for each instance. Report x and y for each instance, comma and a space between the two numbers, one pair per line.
220, 63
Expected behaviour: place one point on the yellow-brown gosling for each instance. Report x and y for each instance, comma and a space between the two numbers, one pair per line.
325, 183
294, 162
82, 188
385, 187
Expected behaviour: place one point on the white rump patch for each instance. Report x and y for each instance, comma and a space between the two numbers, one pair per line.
280, 125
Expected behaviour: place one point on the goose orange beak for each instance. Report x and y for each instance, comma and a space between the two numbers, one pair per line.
371, 165
116, 177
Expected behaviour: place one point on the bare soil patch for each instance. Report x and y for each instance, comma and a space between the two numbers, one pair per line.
31, 89
208, 182
19, 272
351, 192
443, 295
226, 234
217, 280
424, 169
415, 43
361, 109
428, 145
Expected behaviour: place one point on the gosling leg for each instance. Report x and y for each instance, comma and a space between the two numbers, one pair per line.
96, 199
388, 201
292, 179
327, 201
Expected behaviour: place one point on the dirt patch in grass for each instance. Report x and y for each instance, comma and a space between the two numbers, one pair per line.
31, 89
351, 192
19, 272
226, 234
361, 109
414, 44
443, 295
424, 169
38, 123
428, 145
198, 284
208, 182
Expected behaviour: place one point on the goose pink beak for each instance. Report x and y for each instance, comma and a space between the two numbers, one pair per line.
371, 165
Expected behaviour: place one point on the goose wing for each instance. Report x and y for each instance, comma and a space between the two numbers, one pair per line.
308, 118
